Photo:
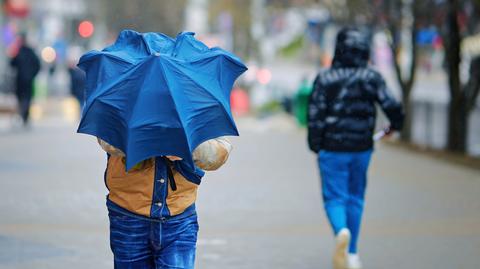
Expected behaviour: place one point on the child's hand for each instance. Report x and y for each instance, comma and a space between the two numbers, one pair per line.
173, 158
110, 149
212, 154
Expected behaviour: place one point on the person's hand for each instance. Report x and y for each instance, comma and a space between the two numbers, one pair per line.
173, 158
384, 133
110, 149
388, 131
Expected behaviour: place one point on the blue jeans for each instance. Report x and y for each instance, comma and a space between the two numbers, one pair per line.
139, 243
344, 179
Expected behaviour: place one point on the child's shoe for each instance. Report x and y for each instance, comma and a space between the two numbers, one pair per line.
340, 256
353, 261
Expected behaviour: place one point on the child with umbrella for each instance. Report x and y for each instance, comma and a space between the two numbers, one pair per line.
160, 109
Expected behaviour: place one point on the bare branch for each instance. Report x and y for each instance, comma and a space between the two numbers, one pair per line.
414, 62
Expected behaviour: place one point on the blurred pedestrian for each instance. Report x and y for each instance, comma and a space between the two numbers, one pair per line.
27, 65
301, 101
77, 83
341, 121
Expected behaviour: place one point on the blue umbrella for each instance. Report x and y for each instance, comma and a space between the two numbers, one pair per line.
150, 95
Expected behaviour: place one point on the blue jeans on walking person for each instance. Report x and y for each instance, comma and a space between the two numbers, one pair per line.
344, 179
141, 243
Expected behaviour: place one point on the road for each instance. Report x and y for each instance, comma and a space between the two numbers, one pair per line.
261, 210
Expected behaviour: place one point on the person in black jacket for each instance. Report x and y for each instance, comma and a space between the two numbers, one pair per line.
341, 121
27, 65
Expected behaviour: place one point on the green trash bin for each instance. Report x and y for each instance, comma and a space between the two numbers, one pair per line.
301, 102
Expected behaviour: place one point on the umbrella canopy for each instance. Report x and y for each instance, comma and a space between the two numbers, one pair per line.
150, 95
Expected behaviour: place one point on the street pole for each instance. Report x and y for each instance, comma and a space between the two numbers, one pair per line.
196, 16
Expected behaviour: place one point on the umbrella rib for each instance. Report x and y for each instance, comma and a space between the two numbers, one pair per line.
216, 53
231, 59
173, 100
95, 53
222, 106
149, 51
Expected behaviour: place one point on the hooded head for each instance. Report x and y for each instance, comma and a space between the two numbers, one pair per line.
352, 48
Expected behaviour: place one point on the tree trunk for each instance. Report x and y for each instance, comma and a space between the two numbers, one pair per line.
406, 83
406, 87
457, 125
406, 134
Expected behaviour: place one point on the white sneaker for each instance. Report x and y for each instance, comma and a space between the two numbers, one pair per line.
341, 245
353, 261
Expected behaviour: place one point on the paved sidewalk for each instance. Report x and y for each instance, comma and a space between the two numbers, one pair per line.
262, 210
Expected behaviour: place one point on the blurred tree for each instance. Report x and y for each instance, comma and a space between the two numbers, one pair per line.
243, 44
399, 16
462, 96
144, 15
358, 12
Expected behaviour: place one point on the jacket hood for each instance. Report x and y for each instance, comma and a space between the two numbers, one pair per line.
352, 48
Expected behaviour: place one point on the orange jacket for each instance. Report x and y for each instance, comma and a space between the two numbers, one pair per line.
147, 189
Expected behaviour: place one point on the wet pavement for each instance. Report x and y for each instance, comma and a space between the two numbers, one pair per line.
261, 210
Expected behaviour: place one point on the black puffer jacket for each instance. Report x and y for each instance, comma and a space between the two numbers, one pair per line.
341, 112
